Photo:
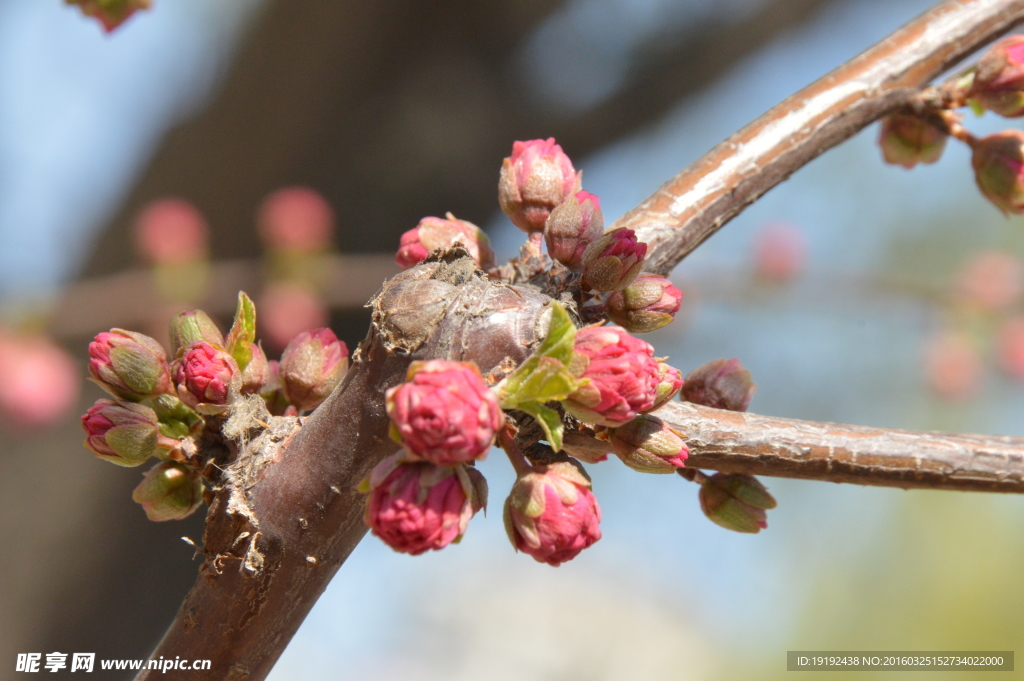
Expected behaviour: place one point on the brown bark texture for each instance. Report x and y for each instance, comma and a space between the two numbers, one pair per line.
285, 514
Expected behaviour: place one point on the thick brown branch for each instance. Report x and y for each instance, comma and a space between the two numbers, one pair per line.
697, 202
734, 442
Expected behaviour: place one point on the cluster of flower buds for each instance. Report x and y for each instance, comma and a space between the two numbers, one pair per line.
995, 84
158, 405
110, 13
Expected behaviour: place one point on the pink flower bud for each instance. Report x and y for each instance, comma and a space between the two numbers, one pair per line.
908, 140
288, 309
129, 365
123, 433
171, 232
312, 366
998, 162
205, 375
189, 327
417, 507
444, 413
296, 219
647, 444
1011, 347
169, 491
649, 303
953, 367
39, 382
551, 514
256, 373
720, 383
670, 381
736, 502
110, 13
613, 261
999, 78
534, 179
780, 251
432, 234
622, 375
572, 226
991, 280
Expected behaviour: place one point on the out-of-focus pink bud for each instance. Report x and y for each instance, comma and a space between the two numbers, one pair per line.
720, 383
169, 491
1011, 347
171, 232
110, 13
417, 507
189, 327
205, 375
952, 367
613, 261
647, 304
444, 413
998, 162
780, 251
670, 381
534, 179
622, 375
286, 310
999, 78
433, 233
312, 366
992, 280
908, 140
123, 433
736, 502
129, 365
647, 444
572, 226
296, 219
551, 514
39, 382
256, 373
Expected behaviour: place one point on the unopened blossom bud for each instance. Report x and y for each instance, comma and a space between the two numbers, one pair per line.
572, 226
256, 372
648, 445
296, 219
124, 433
169, 491
736, 502
205, 375
110, 13
720, 383
39, 381
433, 234
670, 381
171, 232
312, 366
999, 78
551, 514
444, 413
991, 280
908, 140
953, 367
649, 303
417, 506
613, 261
287, 309
193, 326
129, 365
534, 179
622, 376
998, 162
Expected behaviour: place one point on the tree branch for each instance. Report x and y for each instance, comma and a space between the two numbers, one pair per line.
697, 202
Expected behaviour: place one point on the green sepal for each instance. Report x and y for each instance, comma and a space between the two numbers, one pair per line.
549, 419
243, 332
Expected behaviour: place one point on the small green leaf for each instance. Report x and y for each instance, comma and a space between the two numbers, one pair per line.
976, 107
545, 376
243, 331
561, 336
549, 419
